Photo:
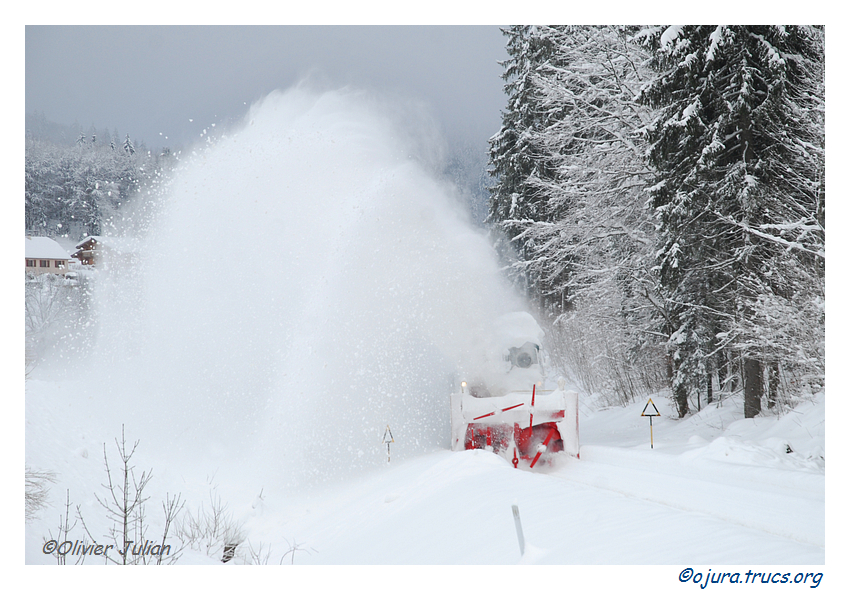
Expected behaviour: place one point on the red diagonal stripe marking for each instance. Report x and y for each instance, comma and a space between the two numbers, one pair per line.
512, 407
545, 444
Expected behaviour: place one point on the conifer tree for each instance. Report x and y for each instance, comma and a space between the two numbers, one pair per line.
738, 149
514, 158
129, 148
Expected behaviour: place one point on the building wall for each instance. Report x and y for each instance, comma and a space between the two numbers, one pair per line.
39, 266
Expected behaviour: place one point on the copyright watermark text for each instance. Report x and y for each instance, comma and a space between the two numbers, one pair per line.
750, 577
81, 548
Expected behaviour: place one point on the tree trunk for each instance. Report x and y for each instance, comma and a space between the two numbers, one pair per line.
709, 386
733, 372
680, 392
670, 370
752, 387
682, 399
772, 383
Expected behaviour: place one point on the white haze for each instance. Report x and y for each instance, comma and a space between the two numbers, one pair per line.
311, 281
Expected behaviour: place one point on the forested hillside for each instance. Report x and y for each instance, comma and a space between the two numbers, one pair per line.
77, 183
660, 195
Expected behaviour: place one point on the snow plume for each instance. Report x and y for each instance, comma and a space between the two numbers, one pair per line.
311, 282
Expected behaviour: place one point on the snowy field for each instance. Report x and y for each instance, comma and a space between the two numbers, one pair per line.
713, 490
265, 391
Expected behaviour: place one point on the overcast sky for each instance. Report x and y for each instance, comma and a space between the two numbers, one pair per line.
147, 80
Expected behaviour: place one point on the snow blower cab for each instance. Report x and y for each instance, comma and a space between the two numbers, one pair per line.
503, 406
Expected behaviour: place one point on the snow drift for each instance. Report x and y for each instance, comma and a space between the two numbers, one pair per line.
311, 281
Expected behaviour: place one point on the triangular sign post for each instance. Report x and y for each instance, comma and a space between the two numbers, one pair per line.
654, 412
388, 438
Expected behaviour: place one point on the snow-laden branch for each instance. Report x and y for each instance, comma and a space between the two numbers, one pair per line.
802, 225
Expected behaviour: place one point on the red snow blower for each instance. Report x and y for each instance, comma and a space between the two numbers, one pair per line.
507, 412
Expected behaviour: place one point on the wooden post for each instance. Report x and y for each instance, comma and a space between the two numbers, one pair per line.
651, 440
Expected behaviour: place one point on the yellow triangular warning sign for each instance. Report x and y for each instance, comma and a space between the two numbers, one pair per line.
649, 403
388, 435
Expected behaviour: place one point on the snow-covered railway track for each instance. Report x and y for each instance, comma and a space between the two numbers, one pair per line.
779, 502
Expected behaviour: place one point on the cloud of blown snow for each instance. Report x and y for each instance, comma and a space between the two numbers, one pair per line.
310, 282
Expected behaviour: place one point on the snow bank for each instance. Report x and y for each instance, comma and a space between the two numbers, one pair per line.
792, 439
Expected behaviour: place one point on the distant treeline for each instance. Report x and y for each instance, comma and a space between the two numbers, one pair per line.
78, 181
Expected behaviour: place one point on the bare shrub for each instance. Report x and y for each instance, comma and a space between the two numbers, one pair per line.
36, 490
212, 531
124, 504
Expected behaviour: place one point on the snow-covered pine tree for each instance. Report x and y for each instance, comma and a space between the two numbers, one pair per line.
593, 243
40, 205
128, 146
594, 203
738, 149
513, 155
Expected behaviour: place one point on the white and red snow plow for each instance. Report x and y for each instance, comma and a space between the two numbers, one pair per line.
504, 408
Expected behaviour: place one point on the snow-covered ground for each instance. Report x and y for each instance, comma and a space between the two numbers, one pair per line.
730, 497
715, 489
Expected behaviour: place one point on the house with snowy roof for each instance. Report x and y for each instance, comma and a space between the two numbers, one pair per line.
44, 255
98, 251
